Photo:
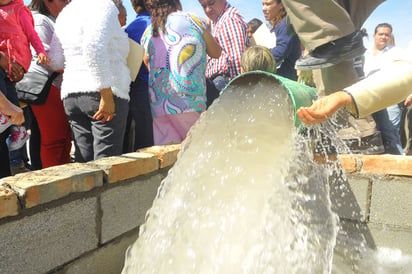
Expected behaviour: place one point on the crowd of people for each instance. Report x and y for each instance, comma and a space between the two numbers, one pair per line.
188, 60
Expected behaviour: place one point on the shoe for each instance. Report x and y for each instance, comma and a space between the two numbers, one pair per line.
18, 138
369, 145
332, 53
4, 123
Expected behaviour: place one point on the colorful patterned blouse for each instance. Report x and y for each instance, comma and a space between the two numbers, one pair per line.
177, 64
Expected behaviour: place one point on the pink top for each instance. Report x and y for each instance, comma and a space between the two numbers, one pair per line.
17, 33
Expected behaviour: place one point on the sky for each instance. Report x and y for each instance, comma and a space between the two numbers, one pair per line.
394, 12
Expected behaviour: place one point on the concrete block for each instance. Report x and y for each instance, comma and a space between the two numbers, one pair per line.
391, 201
42, 186
9, 203
120, 168
387, 164
48, 239
349, 196
124, 208
392, 237
108, 259
167, 154
349, 162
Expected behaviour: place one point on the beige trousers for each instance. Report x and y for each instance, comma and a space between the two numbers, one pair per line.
318, 22
321, 21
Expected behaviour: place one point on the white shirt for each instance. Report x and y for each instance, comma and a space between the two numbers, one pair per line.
95, 48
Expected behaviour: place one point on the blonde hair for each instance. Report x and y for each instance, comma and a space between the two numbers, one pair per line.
258, 58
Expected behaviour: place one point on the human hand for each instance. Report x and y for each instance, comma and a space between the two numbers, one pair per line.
323, 108
16, 116
13, 113
408, 101
43, 59
106, 109
14, 70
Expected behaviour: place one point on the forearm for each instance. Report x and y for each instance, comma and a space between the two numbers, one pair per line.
386, 87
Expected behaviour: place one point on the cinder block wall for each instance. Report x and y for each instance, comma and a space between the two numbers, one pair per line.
80, 218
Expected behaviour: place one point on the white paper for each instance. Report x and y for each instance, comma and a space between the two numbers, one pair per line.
135, 58
264, 37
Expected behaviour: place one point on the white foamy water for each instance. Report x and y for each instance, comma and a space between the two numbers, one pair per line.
244, 196
230, 203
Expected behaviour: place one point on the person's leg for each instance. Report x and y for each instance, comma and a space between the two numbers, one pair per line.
108, 136
4, 155
142, 114
212, 93
9, 90
80, 109
336, 78
318, 22
359, 10
172, 129
55, 130
408, 131
389, 131
34, 143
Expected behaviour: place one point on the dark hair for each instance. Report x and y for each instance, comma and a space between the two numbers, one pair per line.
139, 4
254, 24
40, 6
159, 10
383, 25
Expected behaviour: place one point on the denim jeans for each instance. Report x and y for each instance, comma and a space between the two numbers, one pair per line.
142, 114
92, 138
388, 123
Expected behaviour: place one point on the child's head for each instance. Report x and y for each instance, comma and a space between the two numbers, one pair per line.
258, 58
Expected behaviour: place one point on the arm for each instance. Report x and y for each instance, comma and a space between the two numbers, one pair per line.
282, 42
16, 71
386, 87
97, 37
323, 108
14, 113
213, 49
236, 31
27, 24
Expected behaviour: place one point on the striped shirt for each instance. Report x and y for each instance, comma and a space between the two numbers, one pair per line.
230, 31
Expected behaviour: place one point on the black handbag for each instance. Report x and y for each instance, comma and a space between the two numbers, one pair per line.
34, 88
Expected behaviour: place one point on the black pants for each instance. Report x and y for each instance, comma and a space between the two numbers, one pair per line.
211, 92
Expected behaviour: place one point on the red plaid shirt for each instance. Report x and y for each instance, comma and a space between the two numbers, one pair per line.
230, 31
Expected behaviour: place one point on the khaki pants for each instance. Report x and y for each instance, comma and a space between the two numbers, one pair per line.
322, 21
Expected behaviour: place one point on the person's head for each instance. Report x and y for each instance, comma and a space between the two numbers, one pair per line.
273, 11
159, 10
139, 6
382, 35
258, 58
252, 26
213, 8
122, 12
48, 7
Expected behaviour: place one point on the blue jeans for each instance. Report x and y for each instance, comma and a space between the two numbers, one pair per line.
8, 89
388, 123
94, 139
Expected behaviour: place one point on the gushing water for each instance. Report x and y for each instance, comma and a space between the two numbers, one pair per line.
245, 196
